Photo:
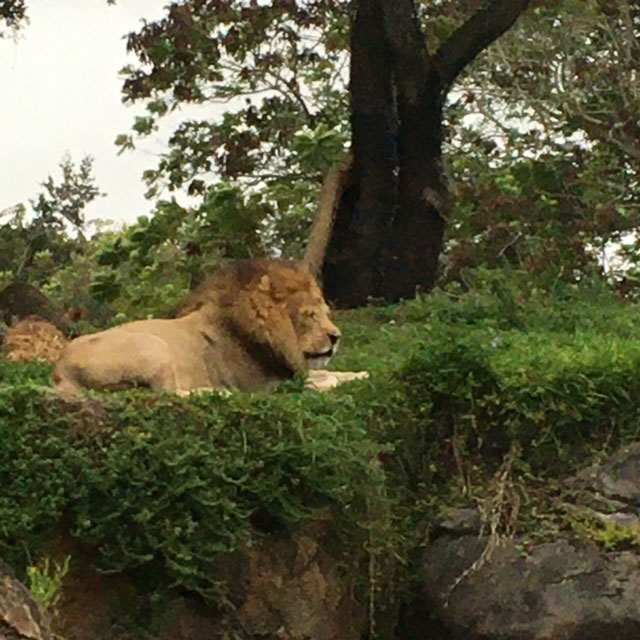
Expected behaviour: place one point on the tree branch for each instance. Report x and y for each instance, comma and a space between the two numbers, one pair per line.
486, 25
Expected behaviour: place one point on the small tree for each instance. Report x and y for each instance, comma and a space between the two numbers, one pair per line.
34, 246
59, 204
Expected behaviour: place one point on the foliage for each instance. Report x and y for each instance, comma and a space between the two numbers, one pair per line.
70, 288
65, 201
32, 372
45, 581
149, 266
544, 148
34, 246
501, 362
174, 484
458, 380
12, 14
29, 248
611, 535
280, 67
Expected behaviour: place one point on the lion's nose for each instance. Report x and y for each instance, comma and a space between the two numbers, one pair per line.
334, 337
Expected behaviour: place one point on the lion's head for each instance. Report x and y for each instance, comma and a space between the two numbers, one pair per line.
275, 303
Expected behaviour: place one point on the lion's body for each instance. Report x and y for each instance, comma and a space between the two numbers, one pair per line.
249, 326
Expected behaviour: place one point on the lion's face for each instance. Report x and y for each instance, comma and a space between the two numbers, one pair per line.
311, 317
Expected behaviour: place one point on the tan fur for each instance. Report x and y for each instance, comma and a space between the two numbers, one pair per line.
247, 327
33, 338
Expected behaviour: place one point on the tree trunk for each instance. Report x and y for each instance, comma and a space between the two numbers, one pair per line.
411, 249
389, 222
370, 194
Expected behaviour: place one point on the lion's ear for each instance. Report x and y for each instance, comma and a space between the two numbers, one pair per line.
261, 316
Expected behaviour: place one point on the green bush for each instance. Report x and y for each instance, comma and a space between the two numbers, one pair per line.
24, 373
176, 482
458, 378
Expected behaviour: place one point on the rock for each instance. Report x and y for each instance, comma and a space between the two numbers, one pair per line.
618, 477
556, 591
284, 588
295, 592
560, 590
461, 520
21, 618
20, 300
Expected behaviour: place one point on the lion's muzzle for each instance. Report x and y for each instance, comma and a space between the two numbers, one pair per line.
320, 359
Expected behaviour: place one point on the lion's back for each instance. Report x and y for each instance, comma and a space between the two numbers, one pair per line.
138, 353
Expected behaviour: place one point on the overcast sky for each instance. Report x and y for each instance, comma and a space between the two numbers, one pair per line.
61, 92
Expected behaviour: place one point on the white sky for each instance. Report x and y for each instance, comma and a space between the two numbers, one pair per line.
61, 92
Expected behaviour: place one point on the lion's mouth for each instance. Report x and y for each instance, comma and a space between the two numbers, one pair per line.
319, 359
321, 354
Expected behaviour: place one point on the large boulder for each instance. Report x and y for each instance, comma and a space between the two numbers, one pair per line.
285, 588
565, 589
556, 591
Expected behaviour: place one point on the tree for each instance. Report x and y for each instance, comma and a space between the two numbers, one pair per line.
34, 246
284, 58
546, 175
59, 204
390, 219
279, 68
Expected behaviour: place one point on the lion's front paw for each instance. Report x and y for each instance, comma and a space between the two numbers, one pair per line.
323, 380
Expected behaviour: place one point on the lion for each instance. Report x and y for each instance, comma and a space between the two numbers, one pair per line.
248, 327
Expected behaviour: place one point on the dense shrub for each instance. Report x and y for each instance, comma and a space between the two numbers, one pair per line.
24, 373
458, 378
164, 479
